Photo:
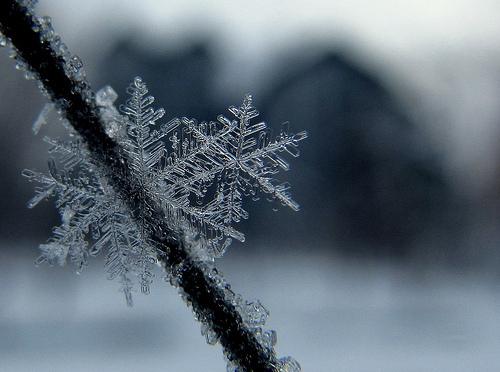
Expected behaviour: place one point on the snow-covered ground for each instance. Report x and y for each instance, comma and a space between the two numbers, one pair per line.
330, 315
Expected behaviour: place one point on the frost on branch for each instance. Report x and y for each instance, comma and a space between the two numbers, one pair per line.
178, 186
200, 173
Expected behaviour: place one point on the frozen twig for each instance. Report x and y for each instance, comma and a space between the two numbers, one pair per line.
40, 52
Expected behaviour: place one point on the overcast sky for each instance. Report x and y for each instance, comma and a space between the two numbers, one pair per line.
444, 53
385, 24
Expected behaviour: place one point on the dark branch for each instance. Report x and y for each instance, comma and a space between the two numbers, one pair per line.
75, 99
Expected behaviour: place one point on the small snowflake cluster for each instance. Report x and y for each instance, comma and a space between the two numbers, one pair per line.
200, 172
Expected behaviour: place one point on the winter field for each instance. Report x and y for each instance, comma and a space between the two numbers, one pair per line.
330, 315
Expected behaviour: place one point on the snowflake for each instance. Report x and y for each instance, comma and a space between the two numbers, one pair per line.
198, 172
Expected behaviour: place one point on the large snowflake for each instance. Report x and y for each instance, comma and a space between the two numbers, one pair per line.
199, 173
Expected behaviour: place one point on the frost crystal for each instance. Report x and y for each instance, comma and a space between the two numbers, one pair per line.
288, 364
195, 175
211, 166
106, 97
42, 117
198, 172
3, 41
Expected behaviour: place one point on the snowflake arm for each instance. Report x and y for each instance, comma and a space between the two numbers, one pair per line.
144, 148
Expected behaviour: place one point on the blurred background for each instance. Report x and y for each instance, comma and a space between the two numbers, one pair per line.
393, 262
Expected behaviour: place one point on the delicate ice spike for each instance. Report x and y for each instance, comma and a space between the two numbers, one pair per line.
127, 291
41, 195
42, 118
300, 136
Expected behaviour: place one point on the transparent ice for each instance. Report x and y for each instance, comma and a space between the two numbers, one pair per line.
42, 118
200, 173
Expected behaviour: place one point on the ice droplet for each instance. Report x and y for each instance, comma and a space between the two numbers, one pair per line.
42, 89
76, 63
46, 30
288, 364
75, 68
21, 66
3, 41
28, 75
254, 313
231, 367
67, 215
268, 338
112, 129
106, 96
209, 334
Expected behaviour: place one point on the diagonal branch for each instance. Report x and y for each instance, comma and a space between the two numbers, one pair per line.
74, 97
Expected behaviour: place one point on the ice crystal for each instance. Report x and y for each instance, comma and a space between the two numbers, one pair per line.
92, 218
201, 171
3, 41
42, 118
198, 172
197, 175
253, 315
288, 364
211, 166
30, 4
